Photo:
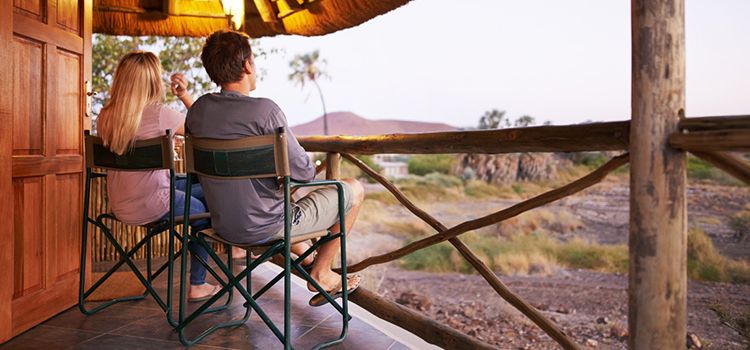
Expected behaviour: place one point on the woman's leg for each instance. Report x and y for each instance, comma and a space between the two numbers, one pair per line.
197, 270
198, 287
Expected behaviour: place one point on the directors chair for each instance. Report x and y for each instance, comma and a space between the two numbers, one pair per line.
146, 155
250, 158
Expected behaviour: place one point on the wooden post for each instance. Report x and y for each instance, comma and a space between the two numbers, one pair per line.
333, 166
657, 290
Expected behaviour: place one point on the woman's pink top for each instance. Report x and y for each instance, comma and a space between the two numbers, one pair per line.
142, 197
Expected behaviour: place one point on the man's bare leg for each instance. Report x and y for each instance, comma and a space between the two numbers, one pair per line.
299, 249
321, 269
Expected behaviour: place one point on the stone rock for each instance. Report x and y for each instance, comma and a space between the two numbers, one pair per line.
415, 301
693, 342
592, 343
618, 332
602, 320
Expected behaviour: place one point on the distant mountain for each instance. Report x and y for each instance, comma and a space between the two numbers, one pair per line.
348, 123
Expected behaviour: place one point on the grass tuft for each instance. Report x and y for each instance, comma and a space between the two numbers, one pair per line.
409, 228
539, 253
707, 264
522, 254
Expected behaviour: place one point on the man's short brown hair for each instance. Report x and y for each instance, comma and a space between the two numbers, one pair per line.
224, 56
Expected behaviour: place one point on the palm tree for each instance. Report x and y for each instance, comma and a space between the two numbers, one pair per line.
307, 68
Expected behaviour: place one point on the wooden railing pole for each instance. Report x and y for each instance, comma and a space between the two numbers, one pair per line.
547, 197
333, 166
657, 289
529, 311
429, 330
728, 162
550, 328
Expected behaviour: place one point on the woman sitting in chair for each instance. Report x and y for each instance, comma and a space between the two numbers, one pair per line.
135, 111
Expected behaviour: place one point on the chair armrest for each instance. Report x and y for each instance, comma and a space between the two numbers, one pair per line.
315, 183
95, 174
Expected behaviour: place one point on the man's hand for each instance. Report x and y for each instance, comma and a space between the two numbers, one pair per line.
178, 85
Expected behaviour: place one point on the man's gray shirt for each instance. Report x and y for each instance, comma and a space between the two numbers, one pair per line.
245, 211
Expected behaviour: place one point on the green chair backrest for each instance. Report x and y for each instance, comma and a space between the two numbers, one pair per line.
152, 154
245, 158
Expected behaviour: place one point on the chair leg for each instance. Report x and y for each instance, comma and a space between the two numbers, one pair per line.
344, 294
233, 282
124, 257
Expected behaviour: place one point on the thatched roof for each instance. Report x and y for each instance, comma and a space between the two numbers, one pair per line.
262, 17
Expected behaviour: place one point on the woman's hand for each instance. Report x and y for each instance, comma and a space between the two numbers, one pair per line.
178, 85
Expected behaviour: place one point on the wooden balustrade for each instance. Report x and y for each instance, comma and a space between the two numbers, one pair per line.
708, 138
606, 136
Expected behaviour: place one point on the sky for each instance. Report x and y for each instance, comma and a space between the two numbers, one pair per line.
561, 61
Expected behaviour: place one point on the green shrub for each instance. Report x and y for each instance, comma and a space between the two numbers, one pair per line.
591, 160
424, 164
435, 258
699, 169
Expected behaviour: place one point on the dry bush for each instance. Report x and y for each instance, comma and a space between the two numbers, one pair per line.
559, 221
706, 263
481, 189
740, 223
521, 254
708, 220
532, 263
381, 196
372, 211
412, 228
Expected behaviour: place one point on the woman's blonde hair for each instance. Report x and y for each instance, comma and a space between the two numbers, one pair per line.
136, 84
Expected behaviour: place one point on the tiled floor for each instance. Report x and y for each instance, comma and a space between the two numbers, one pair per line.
142, 325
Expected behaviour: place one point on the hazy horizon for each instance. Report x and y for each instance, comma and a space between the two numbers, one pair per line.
566, 62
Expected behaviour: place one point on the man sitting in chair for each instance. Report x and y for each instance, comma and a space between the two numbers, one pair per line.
252, 211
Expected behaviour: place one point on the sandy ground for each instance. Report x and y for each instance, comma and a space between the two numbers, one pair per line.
590, 306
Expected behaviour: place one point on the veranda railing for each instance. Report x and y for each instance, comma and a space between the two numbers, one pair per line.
709, 138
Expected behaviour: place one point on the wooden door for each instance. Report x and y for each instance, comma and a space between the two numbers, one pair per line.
45, 62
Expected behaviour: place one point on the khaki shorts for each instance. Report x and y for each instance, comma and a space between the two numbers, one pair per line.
317, 211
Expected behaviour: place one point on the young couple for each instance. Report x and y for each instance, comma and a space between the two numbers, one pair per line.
242, 211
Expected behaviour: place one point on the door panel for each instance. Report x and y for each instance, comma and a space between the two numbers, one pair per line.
68, 15
31, 7
49, 40
68, 239
28, 91
28, 240
67, 116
